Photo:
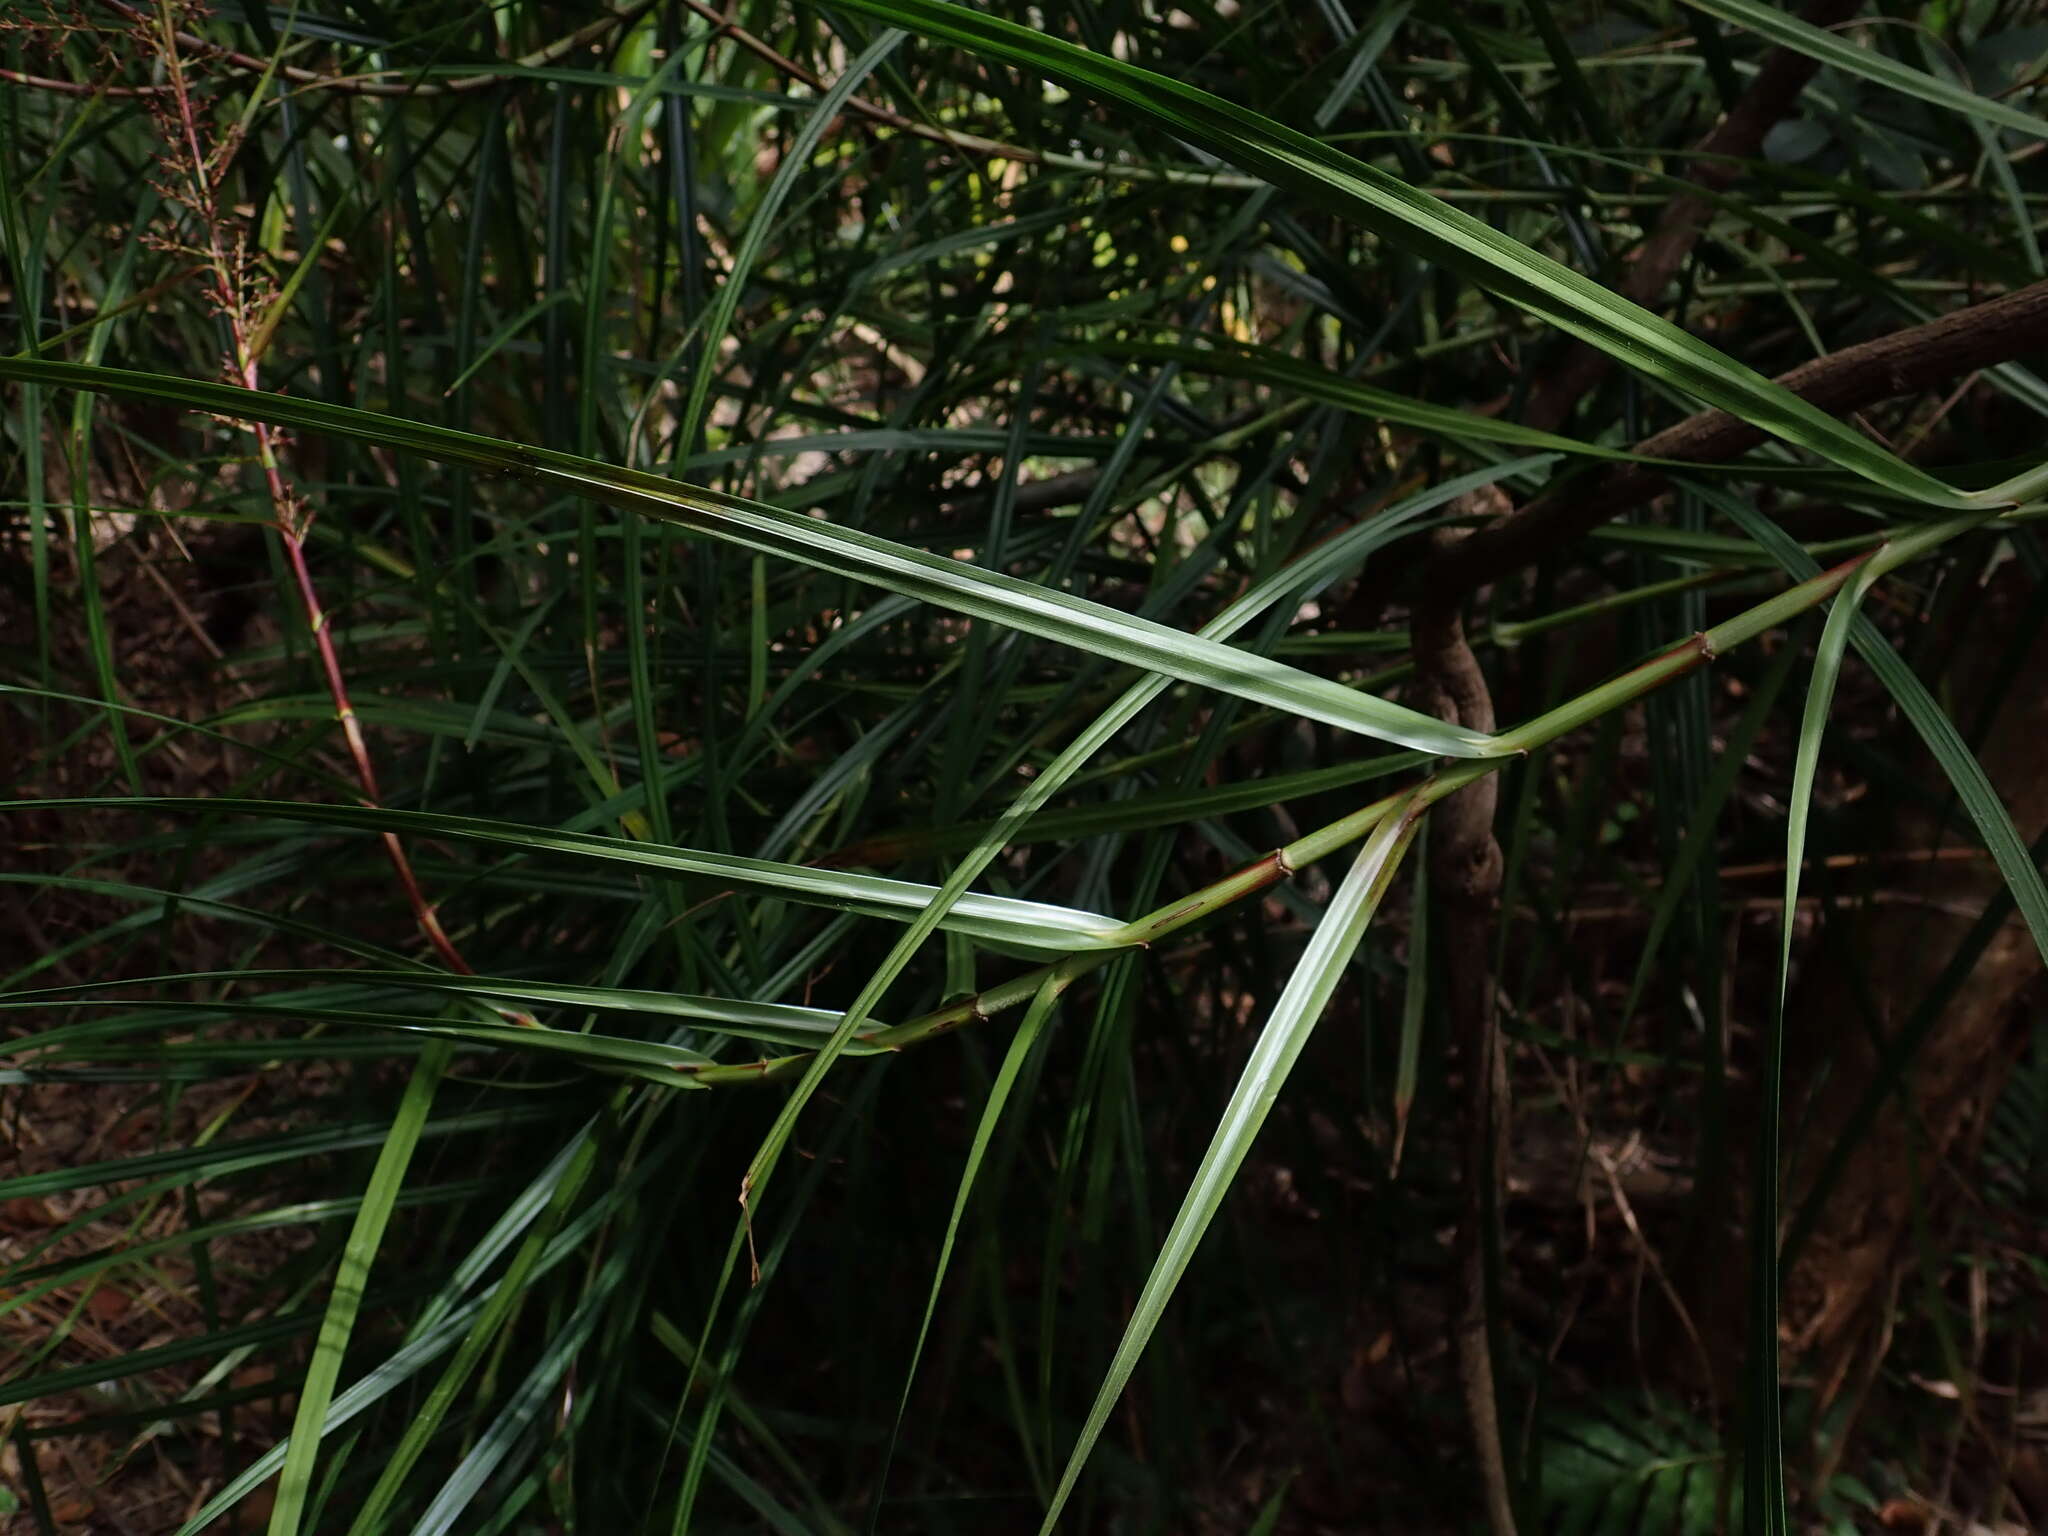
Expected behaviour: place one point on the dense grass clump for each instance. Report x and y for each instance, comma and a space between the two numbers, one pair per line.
904, 766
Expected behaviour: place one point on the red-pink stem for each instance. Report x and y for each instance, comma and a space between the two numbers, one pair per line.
290, 526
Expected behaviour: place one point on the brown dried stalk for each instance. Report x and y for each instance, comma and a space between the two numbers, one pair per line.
242, 294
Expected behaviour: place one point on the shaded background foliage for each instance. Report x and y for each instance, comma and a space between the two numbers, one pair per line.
752, 251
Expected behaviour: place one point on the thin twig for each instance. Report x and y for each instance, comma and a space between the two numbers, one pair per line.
1611, 1169
78, 87
968, 143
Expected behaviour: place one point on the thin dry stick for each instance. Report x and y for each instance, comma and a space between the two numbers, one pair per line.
78, 87
858, 105
1611, 1169
291, 518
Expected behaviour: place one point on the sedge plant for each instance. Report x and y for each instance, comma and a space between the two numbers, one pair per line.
832, 699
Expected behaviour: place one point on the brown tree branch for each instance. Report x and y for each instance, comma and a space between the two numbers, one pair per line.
1903, 363
1465, 876
1739, 136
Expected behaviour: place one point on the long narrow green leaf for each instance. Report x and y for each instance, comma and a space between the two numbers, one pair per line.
1263, 365
992, 595
1765, 1511
784, 1023
573, 1167
453, 1498
656, 1061
998, 919
1973, 788
417, 1353
796, 162
1763, 1447
304, 1214
1300, 1005
1021, 1044
350, 1279
234, 1157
